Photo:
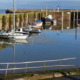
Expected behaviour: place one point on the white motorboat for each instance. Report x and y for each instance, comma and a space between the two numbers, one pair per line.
31, 30
12, 41
54, 22
47, 20
33, 25
21, 30
12, 34
38, 23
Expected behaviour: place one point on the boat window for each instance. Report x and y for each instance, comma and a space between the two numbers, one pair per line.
27, 28
18, 29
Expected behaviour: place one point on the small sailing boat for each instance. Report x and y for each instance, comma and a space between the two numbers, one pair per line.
12, 34
21, 30
38, 23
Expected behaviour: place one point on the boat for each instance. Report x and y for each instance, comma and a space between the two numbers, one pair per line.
31, 30
11, 34
47, 20
47, 27
54, 22
38, 23
12, 41
21, 30
33, 25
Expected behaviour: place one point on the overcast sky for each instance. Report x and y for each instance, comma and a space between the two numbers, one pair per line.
40, 4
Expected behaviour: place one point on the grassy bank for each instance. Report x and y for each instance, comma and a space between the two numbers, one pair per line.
64, 72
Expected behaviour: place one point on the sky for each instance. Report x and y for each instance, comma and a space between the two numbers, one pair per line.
40, 4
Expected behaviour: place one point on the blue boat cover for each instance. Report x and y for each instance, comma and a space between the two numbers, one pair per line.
38, 21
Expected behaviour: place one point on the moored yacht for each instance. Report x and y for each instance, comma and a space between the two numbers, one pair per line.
31, 30
12, 34
33, 25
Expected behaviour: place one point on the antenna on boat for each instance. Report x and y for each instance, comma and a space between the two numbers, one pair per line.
14, 15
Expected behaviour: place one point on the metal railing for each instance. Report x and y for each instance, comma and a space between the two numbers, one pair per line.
26, 67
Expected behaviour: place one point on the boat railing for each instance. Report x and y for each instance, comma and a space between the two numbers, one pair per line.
26, 63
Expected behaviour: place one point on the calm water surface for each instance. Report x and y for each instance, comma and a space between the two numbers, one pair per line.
48, 45
2, 11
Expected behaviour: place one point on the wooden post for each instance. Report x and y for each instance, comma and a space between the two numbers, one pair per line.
69, 19
44, 66
77, 18
43, 13
74, 20
0, 22
6, 70
60, 66
27, 18
36, 15
62, 21
26, 69
46, 10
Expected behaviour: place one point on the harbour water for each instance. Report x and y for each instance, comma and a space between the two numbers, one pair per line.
2, 11
52, 43
47, 45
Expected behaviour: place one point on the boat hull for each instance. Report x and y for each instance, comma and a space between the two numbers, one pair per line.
39, 24
14, 36
47, 21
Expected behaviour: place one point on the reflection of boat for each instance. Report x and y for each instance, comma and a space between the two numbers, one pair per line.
32, 34
8, 41
48, 27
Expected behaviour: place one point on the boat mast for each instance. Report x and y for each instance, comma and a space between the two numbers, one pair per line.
46, 10
13, 16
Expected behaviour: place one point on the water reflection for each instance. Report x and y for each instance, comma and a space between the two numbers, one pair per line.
47, 27
11, 43
52, 43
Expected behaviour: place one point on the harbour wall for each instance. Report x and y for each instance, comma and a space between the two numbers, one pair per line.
22, 19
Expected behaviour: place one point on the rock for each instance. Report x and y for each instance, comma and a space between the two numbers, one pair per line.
19, 79
58, 75
72, 73
36, 75
49, 76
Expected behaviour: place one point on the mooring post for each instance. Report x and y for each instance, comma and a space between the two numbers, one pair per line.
60, 66
62, 20
44, 66
36, 15
69, 19
26, 69
77, 18
74, 20
43, 13
46, 10
27, 18
6, 70
1, 22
